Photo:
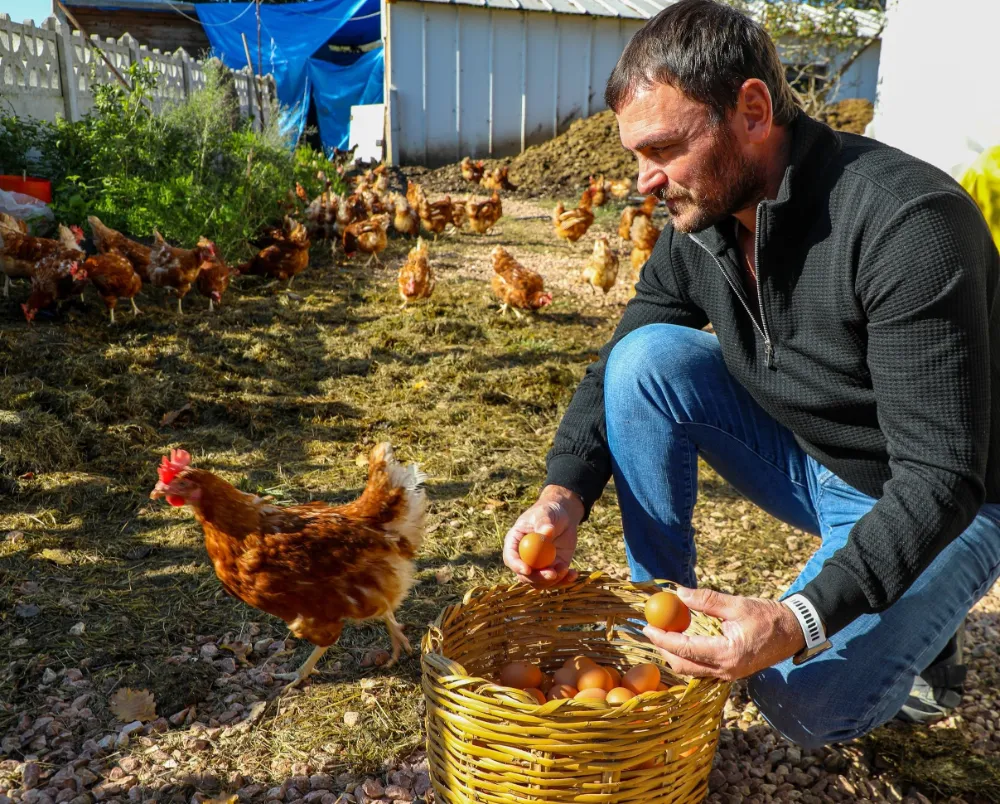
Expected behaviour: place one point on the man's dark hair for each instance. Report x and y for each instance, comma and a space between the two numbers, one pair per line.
705, 49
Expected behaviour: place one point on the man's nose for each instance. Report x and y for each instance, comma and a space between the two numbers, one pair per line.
651, 178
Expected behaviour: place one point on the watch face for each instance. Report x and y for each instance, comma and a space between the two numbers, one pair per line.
808, 653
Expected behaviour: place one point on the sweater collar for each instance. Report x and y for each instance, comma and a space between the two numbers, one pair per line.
814, 146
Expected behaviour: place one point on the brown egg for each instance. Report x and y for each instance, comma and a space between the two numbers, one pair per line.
593, 694
616, 677
539, 695
661, 687
594, 678
565, 675
619, 695
536, 551
665, 611
547, 682
560, 691
521, 675
579, 663
642, 678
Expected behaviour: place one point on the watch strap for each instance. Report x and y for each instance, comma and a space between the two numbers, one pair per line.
809, 620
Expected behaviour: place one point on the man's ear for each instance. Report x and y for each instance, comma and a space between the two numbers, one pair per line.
754, 112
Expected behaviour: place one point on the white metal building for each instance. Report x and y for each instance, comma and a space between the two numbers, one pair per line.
488, 78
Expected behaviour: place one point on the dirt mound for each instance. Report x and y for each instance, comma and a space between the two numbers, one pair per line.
557, 167
560, 166
851, 115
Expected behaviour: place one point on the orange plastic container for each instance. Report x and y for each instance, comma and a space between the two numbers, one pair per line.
36, 188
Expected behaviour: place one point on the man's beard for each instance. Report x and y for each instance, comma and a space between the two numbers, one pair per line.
730, 182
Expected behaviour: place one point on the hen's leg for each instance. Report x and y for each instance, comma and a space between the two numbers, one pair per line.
398, 638
180, 310
6, 286
305, 670
211, 306
111, 310
135, 310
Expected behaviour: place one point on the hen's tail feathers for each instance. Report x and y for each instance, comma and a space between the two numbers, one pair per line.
403, 513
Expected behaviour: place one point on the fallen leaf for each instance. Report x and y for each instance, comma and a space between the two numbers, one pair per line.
169, 419
56, 556
222, 800
128, 705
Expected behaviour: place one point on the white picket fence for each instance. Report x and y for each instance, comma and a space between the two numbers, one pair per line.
50, 71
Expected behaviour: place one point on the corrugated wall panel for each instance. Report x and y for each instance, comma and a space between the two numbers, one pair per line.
474, 96
487, 82
542, 52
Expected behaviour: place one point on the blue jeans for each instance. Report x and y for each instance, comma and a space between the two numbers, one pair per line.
668, 399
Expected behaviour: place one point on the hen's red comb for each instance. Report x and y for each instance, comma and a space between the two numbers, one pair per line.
170, 467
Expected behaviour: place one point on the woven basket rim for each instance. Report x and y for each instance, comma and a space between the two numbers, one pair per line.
476, 686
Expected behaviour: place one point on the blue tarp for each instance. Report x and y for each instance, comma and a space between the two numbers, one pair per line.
336, 88
290, 35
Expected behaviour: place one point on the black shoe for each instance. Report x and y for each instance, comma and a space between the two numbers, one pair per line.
937, 690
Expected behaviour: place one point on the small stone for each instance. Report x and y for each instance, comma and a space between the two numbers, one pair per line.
65, 794
30, 775
352, 719
130, 764
158, 726
78, 629
397, 793
275, 794
321, 781
716, 780
227, 665
126, 733
27, 610
314, 796
209, 650
421, 782
261, 646
85, 777
49, 676
328, 798
72, 674
373, 788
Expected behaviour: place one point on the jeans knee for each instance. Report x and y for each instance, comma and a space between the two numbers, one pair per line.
801, 714
657, 357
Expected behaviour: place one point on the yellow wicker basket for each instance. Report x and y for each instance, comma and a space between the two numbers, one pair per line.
488, 743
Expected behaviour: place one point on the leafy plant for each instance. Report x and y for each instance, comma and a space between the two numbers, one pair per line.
194, 169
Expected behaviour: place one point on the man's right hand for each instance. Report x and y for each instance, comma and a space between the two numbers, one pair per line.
556, 516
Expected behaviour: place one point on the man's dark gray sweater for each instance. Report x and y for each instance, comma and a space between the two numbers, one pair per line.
879, 349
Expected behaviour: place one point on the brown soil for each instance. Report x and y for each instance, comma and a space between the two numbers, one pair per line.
560, 166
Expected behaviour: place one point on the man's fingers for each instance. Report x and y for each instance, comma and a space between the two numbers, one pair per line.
716, 604
688, 668
707, 650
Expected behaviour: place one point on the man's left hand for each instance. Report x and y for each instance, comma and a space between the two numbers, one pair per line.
756, 634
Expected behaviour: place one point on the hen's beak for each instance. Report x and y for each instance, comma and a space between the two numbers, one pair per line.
160, 490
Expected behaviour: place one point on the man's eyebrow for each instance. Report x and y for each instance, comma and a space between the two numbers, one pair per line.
658, 139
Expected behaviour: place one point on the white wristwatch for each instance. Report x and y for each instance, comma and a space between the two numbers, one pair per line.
812, 628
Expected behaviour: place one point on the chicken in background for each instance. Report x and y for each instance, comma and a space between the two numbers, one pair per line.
472, 171
11, 223
435, 215
497, 179
405, 219
629, 214
643, 235
350, 210
483, 215
416, 279
177, 269
114, 278
620, 188
517, 287
55, 278
367, 236
573, 224
459, 216
312, 565
285, 253
214, 278
107, 239
321, 216
599, 191
21, 252
601, 268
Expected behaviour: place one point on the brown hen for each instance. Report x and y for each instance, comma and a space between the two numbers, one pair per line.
517, 287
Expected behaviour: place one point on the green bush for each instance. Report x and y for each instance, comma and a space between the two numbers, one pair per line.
195, 169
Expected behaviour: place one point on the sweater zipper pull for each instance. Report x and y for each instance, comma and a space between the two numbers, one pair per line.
769, 353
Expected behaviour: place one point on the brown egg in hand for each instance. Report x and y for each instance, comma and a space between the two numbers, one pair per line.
536, 551
665, 611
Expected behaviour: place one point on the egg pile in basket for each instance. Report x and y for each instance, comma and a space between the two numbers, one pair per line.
489, 742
